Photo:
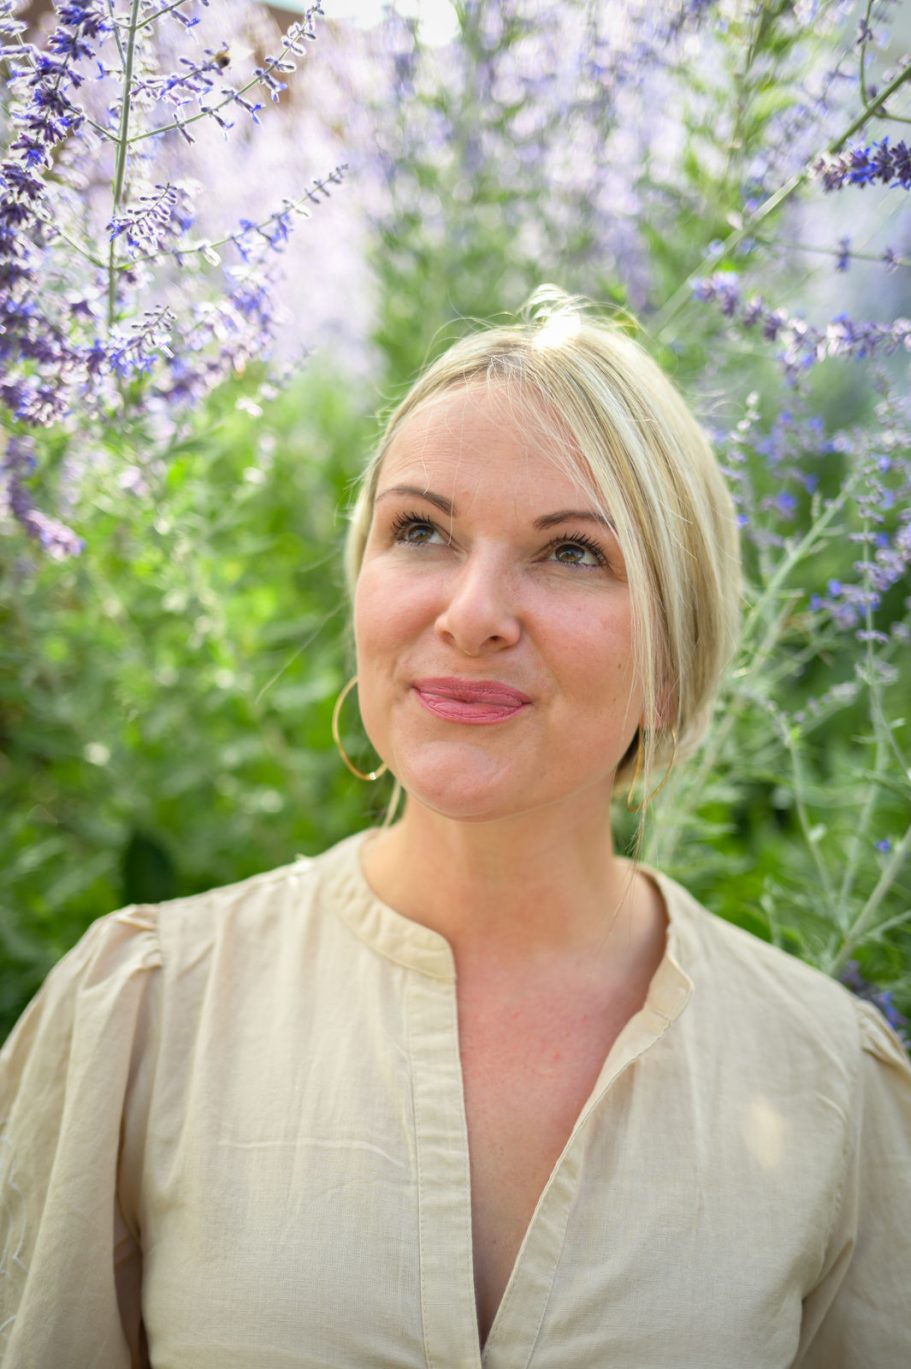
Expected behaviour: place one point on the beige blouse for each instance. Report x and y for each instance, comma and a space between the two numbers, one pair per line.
232, 1136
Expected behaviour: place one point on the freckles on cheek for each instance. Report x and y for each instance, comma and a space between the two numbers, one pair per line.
384, 619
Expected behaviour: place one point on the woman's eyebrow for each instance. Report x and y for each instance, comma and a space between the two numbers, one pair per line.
550, 520
439, 500
547, 520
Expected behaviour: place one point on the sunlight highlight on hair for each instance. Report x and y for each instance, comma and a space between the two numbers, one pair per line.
559, 329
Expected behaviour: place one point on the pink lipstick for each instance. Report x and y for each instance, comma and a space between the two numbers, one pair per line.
470, 701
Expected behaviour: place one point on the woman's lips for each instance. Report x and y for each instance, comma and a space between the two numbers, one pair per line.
470, 701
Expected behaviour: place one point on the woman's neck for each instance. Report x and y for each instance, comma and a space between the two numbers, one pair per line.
526, 888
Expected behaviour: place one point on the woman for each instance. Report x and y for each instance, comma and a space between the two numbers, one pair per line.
473, 1089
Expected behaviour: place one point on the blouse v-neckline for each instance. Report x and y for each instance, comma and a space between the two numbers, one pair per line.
448, 1302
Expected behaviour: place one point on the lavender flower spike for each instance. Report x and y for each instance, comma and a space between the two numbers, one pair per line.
17, 463
866, 165
72, 351
803, 343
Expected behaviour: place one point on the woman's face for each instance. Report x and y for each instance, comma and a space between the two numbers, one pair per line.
492, 617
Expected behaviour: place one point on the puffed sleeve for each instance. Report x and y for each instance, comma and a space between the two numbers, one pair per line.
70, 1261
859, 1315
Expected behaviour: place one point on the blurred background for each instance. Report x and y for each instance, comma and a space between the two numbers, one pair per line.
166, 693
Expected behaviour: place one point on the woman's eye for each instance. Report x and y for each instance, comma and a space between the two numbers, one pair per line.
414, 532
578, 553
417, 532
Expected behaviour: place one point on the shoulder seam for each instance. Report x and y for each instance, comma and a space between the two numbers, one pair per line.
877, 1037
279, 872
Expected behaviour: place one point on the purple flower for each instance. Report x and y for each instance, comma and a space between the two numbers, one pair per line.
804, 344
20, 181
865, 165
151, 218
69, 336
59, 541
17, 464
138, 351
88, 17
723, 288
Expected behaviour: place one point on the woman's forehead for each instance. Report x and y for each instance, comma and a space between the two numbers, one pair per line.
510, 426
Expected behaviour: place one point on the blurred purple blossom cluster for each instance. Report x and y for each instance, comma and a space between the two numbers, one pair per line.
777, 471
866, 165
16, 464
137, 331
557, 126
802, 344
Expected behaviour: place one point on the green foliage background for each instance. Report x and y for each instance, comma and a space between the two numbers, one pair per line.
166, 696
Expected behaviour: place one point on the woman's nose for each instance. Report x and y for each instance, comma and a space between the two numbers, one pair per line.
479, 614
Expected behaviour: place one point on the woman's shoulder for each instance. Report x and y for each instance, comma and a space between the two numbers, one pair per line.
122, 951
754, 990
271, 902
198, 916
256, 899
143, 933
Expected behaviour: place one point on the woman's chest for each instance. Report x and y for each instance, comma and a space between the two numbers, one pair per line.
325, 1201
524, 1089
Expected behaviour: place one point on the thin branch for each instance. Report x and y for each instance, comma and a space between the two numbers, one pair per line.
865, 35
232, 98
77, 247
115, 28
865, 918
798, 552
859, 835
811, 836
834, 251
158, 13
120, 168
289, 207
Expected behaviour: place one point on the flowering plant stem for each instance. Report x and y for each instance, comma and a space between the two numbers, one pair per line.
166, 9
798, 553
684, 293
865, 36
674, 812
122, 148
841, 947
860, 833
860, 928
811, 833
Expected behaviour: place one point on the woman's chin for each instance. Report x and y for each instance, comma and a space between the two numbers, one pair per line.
465, 789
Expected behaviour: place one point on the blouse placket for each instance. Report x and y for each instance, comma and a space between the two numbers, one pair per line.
448, 1305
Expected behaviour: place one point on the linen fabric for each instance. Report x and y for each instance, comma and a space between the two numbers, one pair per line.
232, 1134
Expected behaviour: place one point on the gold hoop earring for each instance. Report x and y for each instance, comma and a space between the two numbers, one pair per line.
644, 803
336, 713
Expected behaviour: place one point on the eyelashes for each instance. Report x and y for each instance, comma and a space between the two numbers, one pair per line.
578, 539
403, 524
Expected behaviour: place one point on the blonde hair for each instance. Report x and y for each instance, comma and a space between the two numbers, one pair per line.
643, 456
